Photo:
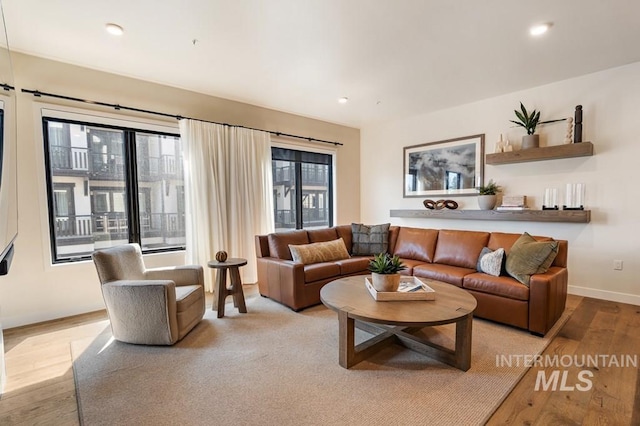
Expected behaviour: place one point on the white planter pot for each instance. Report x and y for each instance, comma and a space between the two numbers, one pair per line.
530, 141
487, 202
385, 282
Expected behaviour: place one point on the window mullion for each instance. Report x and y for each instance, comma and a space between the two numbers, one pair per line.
131, 177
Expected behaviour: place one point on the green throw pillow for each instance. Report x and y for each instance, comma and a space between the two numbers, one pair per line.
528, 256
369, 240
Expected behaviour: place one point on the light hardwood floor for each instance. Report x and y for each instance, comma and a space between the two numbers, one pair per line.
40, 389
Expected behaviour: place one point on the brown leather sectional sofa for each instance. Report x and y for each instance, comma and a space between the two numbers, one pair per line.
445, 255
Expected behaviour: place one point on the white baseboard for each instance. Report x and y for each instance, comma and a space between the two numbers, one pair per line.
632, 299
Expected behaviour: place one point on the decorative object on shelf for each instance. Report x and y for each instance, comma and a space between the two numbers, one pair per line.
529, 122
385, 270
574, 197
550, 200
513, 203
499, 145
569, 137
440, 204
577, 132
221, 256
503, 145
449, 167
487, 195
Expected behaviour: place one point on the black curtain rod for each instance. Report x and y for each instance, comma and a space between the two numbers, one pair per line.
117, 107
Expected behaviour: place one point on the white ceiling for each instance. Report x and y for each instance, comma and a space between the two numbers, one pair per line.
390, 58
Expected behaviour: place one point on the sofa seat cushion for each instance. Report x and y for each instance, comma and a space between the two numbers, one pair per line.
445, 273
499, 286
410, 264
353, 265
320, 271
416, 243
187, 295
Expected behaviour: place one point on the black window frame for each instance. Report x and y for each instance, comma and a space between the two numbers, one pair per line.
130, 181
299, 157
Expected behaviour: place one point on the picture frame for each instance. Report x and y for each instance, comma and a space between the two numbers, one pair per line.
444, 168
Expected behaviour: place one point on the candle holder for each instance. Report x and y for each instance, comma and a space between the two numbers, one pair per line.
550, 199
574, 198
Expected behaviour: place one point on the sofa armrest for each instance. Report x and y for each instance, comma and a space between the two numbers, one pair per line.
181, 275
142, 311
281, 280
547, 298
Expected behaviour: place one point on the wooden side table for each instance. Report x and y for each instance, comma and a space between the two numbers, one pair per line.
233, 265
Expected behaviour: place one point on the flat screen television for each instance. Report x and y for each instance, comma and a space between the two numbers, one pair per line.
8, 183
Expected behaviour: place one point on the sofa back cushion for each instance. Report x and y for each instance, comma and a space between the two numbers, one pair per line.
460, 248
279, 243
344, 232
321, 235
416, 244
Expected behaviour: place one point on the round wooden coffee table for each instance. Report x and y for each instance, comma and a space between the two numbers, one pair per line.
394, 322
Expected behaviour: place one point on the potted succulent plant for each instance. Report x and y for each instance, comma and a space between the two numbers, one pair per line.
529, 121
487, 195
385, 272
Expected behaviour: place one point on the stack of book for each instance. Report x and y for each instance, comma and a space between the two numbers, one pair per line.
513, 203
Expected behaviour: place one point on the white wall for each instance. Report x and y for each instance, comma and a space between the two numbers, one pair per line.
37, 291
611, 104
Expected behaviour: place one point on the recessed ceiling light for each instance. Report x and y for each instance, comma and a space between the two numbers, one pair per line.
114, 29
538, 30
343, 100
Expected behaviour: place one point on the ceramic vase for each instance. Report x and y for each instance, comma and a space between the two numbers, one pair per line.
385, 282
530, 141
487, 202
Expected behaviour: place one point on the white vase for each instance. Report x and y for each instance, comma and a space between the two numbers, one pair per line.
385, 282
487, 202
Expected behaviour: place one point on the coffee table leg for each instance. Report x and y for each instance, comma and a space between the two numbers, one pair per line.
463, 342
221, 289
346, 339
236, 291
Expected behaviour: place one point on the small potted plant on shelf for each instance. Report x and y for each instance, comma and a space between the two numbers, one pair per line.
487, 195
529, 121
385, 270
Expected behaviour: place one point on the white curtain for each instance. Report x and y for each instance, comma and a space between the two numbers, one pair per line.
228, 193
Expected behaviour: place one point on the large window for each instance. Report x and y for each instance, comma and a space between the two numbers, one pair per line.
302, 189
111, 185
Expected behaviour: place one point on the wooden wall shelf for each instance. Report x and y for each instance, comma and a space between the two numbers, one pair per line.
570, 216
582, 149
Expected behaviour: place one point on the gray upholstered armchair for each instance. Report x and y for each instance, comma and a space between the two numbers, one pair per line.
148, 306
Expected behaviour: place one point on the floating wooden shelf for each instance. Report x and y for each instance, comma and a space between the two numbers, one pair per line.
581, 149
570, 216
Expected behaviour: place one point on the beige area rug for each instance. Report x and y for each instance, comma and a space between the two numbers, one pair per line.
273, 366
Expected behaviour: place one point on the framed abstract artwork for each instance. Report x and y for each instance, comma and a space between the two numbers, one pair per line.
449, 167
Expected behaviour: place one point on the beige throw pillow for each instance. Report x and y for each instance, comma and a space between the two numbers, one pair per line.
528, 256
319, 252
